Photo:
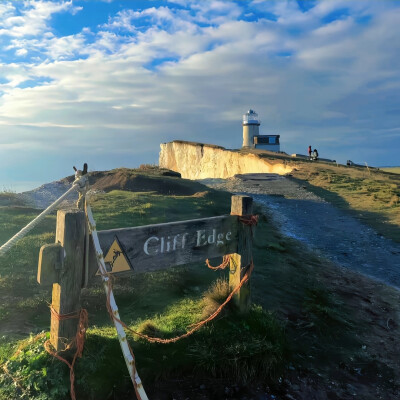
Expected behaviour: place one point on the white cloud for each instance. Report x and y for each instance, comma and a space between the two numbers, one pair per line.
178, 79
51, 47
21, 52
34, 17
216, 12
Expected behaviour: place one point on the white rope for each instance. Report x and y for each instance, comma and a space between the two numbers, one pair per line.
129, 360
78, 184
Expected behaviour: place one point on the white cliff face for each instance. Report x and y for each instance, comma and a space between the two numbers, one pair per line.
198, 161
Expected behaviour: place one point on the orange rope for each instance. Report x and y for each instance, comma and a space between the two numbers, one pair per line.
196, 326
79, 341
250, 220
31, 341
223, 265
63, 317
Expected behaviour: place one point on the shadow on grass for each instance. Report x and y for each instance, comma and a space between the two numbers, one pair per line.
377, 220
287, 281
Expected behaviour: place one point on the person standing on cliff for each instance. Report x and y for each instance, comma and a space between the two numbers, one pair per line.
309, 152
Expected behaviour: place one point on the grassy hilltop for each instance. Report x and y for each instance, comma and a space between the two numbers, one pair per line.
306, 328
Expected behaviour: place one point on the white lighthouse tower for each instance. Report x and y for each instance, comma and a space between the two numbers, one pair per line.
250, 128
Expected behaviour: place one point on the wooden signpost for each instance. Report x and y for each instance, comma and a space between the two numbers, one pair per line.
68, 258
138, 250
243, 256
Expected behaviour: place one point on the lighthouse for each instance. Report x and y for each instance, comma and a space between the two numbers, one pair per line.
250, 128
251, 137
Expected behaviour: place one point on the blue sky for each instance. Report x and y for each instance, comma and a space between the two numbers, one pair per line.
107, 81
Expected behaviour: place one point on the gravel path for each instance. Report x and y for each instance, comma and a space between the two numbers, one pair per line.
302, 215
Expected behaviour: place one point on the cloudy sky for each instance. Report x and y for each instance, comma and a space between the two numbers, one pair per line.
107, 81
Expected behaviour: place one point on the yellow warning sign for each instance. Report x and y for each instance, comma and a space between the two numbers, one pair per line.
116, 260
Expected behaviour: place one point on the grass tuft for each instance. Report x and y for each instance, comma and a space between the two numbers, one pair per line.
215, 296
241, 348
149, 328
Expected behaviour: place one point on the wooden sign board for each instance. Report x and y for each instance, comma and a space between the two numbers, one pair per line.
154, 247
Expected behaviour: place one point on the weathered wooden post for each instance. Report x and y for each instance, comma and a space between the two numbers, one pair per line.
61, 264
240, 261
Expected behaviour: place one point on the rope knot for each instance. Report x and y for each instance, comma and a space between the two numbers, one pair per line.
223, 265
249, 220
81, 180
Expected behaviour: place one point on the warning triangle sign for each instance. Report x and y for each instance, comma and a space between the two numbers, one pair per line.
116, 260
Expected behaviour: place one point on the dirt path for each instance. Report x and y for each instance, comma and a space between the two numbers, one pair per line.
357, 254
335, 234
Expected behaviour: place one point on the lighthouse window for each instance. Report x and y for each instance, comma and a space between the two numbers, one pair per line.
272, 140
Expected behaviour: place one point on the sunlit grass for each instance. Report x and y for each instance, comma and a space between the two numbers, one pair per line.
393, 170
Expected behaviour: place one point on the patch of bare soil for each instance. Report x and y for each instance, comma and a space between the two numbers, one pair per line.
369, 373
146, 179
208, 389
159, 180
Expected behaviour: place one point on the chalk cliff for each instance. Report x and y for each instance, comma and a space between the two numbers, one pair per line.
200, 161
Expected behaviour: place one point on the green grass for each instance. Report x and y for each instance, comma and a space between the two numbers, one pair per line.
124, 209
256, 346
20, 295
217, 350
165, 301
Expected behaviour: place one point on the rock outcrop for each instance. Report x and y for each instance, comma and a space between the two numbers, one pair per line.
201, 161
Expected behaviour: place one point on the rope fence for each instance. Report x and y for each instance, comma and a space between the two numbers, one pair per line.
81, 184
250, 220
225, 262
77, 184
79, 342
196, 326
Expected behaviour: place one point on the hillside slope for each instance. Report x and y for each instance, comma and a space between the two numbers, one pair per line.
306, 336
147, 178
